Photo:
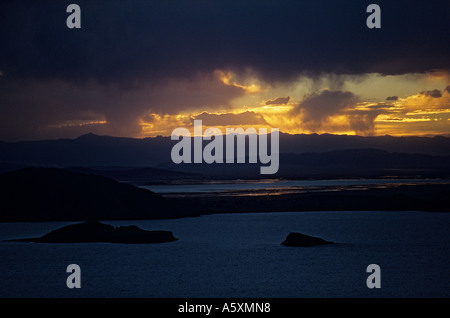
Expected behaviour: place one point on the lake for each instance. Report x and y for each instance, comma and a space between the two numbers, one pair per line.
278, 186
239, 255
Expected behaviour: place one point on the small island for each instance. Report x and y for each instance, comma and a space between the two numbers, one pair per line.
302, 240
93, 231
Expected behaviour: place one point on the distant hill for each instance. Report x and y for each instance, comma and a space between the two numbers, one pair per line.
301, 156
364, 163
349, 163
93, 150
88, 150
436, 146
46, 194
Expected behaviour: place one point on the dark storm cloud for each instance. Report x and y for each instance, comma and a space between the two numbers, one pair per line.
392, 98
279, 101
435, 93
316, 108
321, 105
32, 109
131, 40
363, 123
131, 58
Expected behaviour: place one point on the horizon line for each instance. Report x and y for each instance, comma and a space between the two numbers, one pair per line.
90, 134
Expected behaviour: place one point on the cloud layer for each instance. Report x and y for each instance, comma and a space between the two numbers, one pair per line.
316, 111
125, 41
136, 62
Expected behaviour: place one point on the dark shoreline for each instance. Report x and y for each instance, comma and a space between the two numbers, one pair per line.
45, 195
427, 198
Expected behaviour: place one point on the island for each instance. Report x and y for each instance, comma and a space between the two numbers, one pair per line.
94, 231
302, 240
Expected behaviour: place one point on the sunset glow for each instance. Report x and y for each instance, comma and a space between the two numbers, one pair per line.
294, 75
379, 114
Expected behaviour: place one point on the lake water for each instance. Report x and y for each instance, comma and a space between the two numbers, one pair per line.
239, 255
277, 187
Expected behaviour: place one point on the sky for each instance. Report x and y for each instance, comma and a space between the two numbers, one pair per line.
143, 68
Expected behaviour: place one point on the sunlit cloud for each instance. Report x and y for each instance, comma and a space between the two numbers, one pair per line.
321, 111
224, 99
77, 123
423, 113
334, 111
228, 79
231, 119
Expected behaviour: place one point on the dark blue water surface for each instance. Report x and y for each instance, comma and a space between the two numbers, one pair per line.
239, 255
266, 187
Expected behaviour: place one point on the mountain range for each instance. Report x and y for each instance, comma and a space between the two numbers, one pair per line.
301, 156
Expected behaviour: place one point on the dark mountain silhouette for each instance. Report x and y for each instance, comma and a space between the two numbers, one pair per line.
436, 145
349, 163
93, 150
88, 150
363, 163
47, 194
301, 156
93, 231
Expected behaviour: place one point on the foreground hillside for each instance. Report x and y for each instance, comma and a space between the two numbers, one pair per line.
47, 194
